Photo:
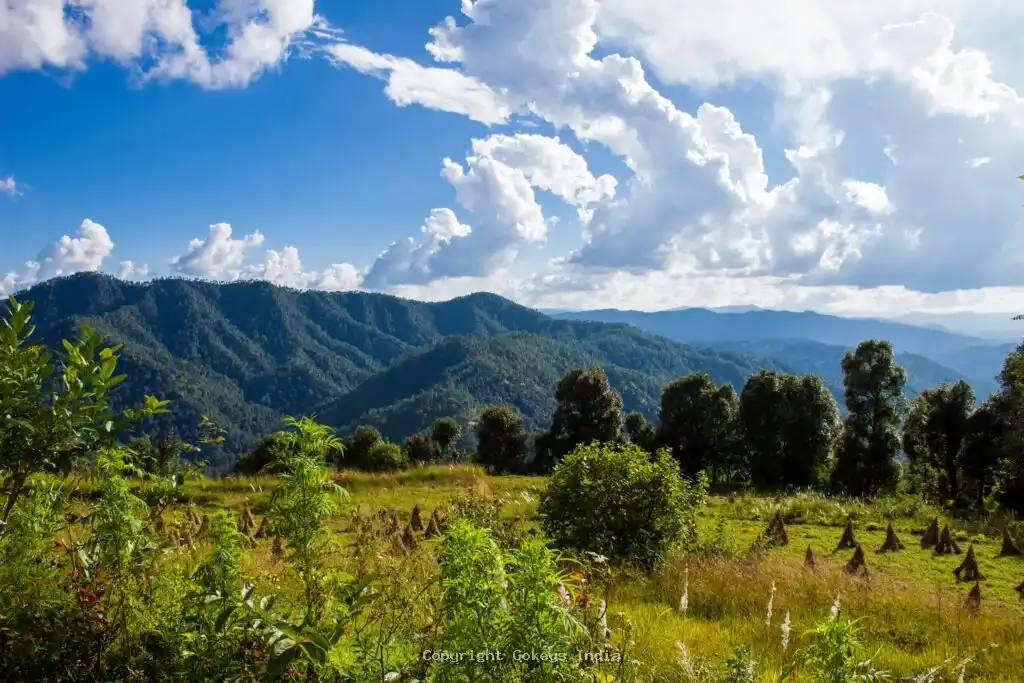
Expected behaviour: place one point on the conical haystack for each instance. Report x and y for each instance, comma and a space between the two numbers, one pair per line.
775, 533
398, 547
1020, 589
973, 602
278, 548
931, 534
204, 524
857, 564
416, 522
432, 529
809, 561
409, 538
947, 544
442, 525
248, 522
261, 532
189, 541
968, 569
1009, 545
892, 541
848, 540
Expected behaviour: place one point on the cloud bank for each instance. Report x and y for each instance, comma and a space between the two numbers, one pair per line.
900, 136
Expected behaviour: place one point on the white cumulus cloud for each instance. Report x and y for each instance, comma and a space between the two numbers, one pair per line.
217, 256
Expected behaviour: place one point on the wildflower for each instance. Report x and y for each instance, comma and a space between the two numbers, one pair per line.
771, 599
564, 594
835, 607
684, 659
602, 621
963, 670
597, 558
786, 628
392, 676
684, 599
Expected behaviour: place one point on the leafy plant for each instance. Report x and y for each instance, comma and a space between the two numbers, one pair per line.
619, 501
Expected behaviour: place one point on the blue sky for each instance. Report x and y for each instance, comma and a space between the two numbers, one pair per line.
857, 161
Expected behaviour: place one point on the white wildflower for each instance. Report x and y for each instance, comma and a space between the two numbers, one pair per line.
750, 669
564, 594
684, 599
684, 660
835, 607
392, 676
963, 670
602, 621
771, 599
598, 559
786, 628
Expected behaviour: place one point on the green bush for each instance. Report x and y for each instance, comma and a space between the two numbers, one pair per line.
386, 457
621, 502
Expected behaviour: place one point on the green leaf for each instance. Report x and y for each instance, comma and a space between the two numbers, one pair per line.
278, 663
222, 618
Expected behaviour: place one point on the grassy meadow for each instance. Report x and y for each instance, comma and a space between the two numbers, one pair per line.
911, 605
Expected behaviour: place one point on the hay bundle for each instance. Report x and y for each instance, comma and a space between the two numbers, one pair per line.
848, 540
432, 530
947, 544
277, 549
857, 564
1009, 545
972, 605
809, 560
409, 538
892, 541
931, 534
1020, 589
248, 522
261, 532
776, 533
442, 525
416, 522
968, 569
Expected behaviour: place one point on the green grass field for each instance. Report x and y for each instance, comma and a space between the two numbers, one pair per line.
911, 604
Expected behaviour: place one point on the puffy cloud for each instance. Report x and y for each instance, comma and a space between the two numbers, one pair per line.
217, 256
9, 186
497, 186
157, 37
127, 270
87, 250
431, 87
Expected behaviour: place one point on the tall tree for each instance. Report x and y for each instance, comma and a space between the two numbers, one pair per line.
587, 409
419, 449
445, 432
698, 423
363, 440
640, 431
873, 385
980, 458
788, 426
934, 434
1009, 405
501, 439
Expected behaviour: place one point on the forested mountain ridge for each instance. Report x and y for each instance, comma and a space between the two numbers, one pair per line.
247, 353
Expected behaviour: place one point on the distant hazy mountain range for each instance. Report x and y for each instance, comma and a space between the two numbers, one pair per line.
794, 335
248, 353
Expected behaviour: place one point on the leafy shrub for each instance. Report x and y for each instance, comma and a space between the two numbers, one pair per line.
495, 601
385, 457
621, 502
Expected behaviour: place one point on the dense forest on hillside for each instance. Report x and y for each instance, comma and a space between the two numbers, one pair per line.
246, 354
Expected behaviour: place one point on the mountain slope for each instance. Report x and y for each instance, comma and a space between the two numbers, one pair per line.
247, 353
461, 375
697, 325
